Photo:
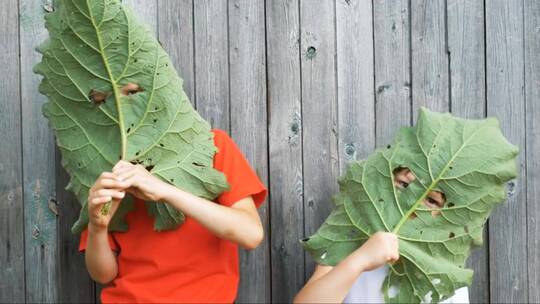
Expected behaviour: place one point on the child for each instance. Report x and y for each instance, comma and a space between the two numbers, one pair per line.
197, 262
359, 277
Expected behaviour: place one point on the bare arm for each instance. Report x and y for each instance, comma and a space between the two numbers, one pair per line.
239, 223
99, 257
331, 284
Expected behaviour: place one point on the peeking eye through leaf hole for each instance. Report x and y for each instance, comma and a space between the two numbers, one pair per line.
98, 97
435, 199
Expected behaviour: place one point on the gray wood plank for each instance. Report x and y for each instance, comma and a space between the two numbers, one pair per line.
285, 148
40, 221
212, 62
319, 112
74, 282
175, 25
12, 288
146, 10
466, 53
532, 97
505, 97
355, 83
429, 56
392, 68
247, 57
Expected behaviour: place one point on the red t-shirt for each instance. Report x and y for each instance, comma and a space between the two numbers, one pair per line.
188, 264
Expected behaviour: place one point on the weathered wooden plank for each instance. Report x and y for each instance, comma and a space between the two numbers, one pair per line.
355, 83
505, 97
285, 145
146, 10
212, 62
74, 282
249, 128
532, 97
429, 56
175, 25
319, 112
12, 286
38, 156
466, 55
392, 68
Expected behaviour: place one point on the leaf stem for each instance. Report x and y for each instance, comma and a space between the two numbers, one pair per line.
123, 137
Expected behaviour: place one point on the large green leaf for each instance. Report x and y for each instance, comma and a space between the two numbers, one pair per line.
99, 46
469, 161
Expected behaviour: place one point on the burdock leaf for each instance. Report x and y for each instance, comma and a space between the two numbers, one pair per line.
469, 161
113, 94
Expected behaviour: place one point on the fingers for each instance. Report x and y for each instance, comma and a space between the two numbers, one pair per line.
104, 195
109, 183
121, 164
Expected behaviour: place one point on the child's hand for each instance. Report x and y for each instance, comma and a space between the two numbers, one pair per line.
381, 248
106, 188
140, 182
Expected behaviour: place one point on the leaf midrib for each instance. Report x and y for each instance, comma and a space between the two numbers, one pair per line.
123, 137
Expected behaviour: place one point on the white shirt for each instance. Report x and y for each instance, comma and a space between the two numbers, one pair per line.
368, 289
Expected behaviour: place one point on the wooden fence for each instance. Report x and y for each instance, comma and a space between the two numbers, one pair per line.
303, 86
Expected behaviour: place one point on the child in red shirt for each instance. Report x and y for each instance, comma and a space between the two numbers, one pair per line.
197, 262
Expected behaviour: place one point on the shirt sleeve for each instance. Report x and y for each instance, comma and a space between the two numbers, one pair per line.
242, 179
84, 239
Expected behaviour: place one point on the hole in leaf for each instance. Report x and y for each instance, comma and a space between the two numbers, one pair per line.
413, 216
305, 240
451, 235
98, 97
435, 200
128, 129
155, 120
197, 164
138, 152
161, 145
172, 180
388, 147
403, 176
450, 205
131, 88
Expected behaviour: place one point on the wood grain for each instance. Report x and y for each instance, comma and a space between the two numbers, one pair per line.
40, 219
506, 101
247, 59
319, 112
12, 278
285, 147
466, 56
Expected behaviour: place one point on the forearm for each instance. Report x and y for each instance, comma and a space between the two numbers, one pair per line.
99, 257
227, 223
333, 286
